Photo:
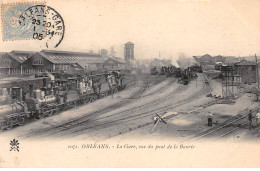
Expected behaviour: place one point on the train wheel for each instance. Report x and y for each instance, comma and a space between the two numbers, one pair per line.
3, 124
3, 127
52, 111
49, 113
55, 111
60, 108
21, 120
92, 98
10, 123
68, 106
82, 101
74, 105
86, 101
40, 115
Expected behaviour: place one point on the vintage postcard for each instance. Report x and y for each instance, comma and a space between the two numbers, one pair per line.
130, 83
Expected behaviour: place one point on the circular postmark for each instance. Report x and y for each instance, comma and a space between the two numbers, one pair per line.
42, 22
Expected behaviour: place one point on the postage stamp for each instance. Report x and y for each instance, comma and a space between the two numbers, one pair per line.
32, 21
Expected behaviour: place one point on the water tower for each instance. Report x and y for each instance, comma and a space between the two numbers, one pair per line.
129, 51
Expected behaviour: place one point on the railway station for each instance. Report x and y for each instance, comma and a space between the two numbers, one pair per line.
89, 94
125, 83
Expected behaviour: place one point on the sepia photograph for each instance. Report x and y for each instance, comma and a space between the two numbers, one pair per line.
130, 84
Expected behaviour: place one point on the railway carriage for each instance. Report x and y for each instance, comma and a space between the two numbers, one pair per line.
44, 96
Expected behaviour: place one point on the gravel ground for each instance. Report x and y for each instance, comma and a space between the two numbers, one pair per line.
185, 126
141, 128
75, 112
135, 119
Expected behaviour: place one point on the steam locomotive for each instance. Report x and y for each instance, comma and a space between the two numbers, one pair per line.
183, 75
189, 73
154, 71
163, 70
44, 96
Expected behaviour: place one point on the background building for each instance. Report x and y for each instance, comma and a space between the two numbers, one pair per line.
51, 61
12, 62
246, 70
114, 63
129, 51
103, 52
26, 63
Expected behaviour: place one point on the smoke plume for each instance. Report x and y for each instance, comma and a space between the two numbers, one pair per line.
184, 61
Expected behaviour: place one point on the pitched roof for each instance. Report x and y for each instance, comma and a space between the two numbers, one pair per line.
70, 53
23, 52
72, 57
77, 66
20, 56
245, 62
117, 59
83, 64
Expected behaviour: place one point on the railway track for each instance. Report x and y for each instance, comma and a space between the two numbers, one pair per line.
129, 84
95, 126
138, 116
159, 90
145, 86
97, 123
76, 121
227, 127
83, 120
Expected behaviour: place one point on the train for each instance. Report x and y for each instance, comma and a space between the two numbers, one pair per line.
47, 95
183, 75
164, 70
154, 71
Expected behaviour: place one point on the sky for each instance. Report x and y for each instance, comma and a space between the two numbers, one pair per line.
171, 27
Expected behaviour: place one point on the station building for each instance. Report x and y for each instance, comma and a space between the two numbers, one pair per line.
29, 63
114, 63
246, 70
12, 62
52, 61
